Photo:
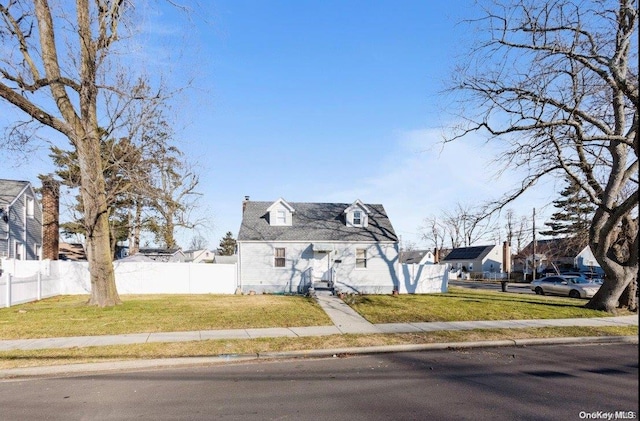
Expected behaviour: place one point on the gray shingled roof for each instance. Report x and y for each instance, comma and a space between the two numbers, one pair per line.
314, 222
10, 189
468, 253
413, 256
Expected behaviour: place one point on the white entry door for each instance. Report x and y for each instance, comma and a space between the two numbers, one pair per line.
321, 266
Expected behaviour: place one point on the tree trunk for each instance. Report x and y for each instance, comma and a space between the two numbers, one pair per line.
103, 283
135, 227
615, 247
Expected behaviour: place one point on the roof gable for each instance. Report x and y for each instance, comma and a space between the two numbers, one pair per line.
358, 205
283, 203
10, 190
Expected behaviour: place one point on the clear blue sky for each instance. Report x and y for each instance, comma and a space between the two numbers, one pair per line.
318, 101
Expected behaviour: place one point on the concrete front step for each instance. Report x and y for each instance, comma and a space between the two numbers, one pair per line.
322, 285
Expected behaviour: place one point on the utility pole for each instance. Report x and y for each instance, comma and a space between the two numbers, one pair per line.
535, 267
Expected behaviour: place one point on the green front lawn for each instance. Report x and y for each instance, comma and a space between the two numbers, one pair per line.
466, 304
70, 316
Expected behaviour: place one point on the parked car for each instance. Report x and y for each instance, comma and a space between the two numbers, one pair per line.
572, 286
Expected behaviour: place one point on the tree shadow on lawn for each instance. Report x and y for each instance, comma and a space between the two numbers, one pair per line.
422, 299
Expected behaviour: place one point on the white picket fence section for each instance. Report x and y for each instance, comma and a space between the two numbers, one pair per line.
25, 281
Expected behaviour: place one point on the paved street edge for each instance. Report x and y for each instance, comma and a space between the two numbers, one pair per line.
105, 367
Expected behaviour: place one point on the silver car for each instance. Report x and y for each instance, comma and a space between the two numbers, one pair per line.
572, 286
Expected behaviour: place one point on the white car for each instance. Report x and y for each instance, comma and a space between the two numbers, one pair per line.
571, 286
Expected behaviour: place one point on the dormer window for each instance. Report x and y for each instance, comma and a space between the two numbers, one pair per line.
357, 218
281, 217
357, 215
280, 213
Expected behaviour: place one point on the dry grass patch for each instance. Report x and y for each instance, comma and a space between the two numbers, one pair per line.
14, 359
70, 316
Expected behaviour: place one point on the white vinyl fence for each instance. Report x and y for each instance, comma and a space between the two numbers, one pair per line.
423, 279
24, 281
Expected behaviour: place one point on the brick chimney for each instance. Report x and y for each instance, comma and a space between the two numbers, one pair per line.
244, 203
50, 217
436, 255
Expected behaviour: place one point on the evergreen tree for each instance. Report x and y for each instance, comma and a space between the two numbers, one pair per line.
227, 245
574, 215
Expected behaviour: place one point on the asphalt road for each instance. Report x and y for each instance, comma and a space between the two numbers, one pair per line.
530, 383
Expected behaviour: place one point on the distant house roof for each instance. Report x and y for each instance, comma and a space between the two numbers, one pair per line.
158, 251
135, 258
314, 222
413, 256
10, 190
556, 247
225, 259
469, 253
74, 252
163, 255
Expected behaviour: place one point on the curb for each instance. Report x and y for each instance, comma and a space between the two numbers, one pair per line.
107, 367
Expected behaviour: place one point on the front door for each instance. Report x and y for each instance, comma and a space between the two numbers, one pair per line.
321, 265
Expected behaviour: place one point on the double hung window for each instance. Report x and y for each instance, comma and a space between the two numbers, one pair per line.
361, 258
279, 257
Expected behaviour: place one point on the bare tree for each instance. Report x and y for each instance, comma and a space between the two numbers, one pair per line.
171, 194
522, 233
434, 232
509, 226
557, 83
465, 225
517, 229
57, 84
198, 242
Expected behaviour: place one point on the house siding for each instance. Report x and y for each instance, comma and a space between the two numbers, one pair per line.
22, 229
258, 273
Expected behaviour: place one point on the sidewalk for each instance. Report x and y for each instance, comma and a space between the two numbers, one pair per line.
346, 321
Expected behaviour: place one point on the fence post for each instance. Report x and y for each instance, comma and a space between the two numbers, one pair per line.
39, 288
8, 290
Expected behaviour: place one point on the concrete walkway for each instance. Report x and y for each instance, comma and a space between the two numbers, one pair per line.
346, 321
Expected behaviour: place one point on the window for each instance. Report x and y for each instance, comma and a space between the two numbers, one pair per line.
281, 217
357, 218
19, 251
361, 258
30, 207
279, 258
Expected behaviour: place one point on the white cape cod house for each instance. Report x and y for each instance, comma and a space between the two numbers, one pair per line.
286, 247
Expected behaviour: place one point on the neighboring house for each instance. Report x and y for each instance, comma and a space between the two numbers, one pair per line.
199, 256
20, 221
477, 259
289, 246
586, 262
163, 255
225, 260
552, 254
417, 257
74, 252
